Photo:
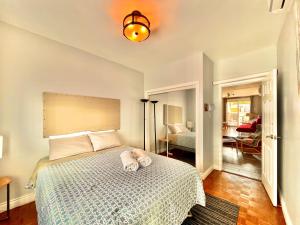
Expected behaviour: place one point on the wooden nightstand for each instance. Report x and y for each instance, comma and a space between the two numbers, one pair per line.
5, 181
164, 141
161, 142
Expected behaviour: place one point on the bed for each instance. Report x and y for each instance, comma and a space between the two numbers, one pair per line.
93, 188
179, 136
185, 140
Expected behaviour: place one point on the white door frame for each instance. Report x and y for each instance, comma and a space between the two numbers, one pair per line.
270, 138
226, 83
199, 116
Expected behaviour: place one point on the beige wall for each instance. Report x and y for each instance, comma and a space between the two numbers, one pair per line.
256, 105
289, 120
208, 73
191, 106
31, 64
235, 92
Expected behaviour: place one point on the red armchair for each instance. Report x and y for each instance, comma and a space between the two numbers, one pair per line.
249, 127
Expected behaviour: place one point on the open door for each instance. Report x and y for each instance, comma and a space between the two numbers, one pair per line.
269, 135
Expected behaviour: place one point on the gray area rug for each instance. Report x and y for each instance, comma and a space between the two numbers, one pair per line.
216, 212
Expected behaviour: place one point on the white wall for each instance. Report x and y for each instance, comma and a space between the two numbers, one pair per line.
181, 71
30, 65
261, 60
254, 62
289, 120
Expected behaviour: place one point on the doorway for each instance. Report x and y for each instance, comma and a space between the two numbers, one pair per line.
268, 128
241, 130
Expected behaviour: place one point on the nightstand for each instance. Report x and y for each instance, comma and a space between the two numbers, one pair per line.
164, 141
5, 181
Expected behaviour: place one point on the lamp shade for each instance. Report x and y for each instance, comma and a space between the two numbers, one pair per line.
136, 27
189, 124
1, 146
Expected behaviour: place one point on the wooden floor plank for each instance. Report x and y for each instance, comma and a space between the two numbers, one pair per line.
242, 164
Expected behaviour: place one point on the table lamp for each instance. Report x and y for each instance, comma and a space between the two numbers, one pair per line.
189, 125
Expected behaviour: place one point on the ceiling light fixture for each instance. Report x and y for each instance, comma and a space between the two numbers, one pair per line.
136, 27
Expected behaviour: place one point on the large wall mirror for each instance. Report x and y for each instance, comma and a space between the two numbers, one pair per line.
172, 125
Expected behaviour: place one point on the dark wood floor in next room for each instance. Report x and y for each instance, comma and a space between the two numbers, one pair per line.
255, 206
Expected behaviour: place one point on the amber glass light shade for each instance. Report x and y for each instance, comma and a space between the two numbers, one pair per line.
136, 27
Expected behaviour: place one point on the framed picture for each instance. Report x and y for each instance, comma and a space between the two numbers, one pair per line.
297, 14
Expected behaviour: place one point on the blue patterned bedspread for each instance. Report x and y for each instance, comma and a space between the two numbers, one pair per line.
186, 139
96, 190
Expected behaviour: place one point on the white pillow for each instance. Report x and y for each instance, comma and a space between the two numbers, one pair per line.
104, 140
63, 147
174, 129
182, 128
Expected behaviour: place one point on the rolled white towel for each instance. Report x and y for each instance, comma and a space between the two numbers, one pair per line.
128, 161
142, 157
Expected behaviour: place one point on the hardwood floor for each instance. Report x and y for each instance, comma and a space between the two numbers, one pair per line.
235, 162
24, 215
242, 164
255, 206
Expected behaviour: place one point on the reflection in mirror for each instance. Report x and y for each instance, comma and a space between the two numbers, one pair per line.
160, 128
175, 125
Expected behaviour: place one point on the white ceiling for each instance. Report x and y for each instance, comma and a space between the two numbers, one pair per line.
220, 28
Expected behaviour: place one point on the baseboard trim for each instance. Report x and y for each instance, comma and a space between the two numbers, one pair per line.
216, 167
16, 202
207, 172
285, 212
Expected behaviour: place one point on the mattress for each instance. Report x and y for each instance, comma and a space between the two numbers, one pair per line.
96, 190
186, 139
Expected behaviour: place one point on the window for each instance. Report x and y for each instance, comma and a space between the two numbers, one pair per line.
237, 110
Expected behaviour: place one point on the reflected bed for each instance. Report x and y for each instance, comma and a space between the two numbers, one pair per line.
185, 141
